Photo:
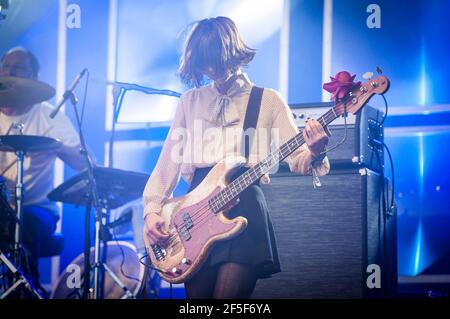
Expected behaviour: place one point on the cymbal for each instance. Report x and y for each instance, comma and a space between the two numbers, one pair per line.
115, 187
15, 91
28, 143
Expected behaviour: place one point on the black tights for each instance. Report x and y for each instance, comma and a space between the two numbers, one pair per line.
225, 281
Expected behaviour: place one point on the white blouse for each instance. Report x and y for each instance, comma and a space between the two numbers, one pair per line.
207, 128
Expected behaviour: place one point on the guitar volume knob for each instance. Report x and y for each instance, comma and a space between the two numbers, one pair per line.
186, 261
176, 271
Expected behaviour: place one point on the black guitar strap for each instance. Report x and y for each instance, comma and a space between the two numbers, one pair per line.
251, 118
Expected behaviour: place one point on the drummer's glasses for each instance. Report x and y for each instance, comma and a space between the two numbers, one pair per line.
17, 70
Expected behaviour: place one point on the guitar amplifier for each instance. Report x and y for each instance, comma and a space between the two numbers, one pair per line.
361, 129
333, 241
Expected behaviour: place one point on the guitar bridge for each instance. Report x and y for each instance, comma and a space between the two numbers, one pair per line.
159, 252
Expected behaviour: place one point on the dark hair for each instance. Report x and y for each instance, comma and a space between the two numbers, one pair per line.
216, 43
34, 63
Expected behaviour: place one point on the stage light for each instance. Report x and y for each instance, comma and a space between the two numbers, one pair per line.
418, 250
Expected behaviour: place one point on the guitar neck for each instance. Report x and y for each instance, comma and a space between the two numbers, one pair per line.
236, 187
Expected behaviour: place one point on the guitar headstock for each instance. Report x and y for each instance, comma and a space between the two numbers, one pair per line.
360, 95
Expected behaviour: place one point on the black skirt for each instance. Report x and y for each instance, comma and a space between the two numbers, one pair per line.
256, 245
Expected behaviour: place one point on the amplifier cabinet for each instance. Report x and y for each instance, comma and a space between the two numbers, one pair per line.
328, 236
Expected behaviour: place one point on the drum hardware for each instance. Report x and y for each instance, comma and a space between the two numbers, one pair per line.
18, 92
92, 195
90, 190
118, 284
19, 279
107, 202
21, 145
115, 188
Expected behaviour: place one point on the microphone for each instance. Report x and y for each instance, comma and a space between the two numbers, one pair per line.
68, 93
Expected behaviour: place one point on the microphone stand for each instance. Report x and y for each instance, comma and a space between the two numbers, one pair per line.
94, 197
118, 99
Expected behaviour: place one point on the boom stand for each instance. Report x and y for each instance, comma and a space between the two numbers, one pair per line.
99, 266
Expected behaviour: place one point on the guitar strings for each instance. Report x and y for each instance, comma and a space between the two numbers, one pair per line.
205, 209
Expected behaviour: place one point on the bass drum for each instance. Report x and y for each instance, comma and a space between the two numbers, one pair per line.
123, 263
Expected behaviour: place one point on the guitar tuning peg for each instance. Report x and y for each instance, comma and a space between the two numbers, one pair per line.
367, 76
379, 71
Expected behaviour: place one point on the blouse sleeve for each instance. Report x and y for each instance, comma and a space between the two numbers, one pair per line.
300, 160
166, 173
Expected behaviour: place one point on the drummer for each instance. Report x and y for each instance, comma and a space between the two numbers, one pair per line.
39, 215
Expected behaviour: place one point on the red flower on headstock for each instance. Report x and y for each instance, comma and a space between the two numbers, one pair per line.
340, 85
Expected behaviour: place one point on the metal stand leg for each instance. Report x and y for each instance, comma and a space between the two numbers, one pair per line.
98, 264
97, 261
19, 208
19, 279
14, 267
128, 293
87, 254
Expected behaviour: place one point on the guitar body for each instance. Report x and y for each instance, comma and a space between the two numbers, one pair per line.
195, 227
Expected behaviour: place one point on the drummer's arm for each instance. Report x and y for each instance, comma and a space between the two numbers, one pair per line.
62, 129
73, 157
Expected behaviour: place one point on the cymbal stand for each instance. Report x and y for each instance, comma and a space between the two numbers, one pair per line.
14, 267
119, 91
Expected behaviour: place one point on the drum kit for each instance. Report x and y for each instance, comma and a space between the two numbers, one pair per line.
114, 188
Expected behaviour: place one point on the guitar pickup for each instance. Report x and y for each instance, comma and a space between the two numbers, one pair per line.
187, 221
184, 233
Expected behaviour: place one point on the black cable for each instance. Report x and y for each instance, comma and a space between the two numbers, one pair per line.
158, 270
393, 176
381, 200
384, 189
151, 265
345, 133
123, 258
382, 215
84, 98
382, 144
345, 124
385, 109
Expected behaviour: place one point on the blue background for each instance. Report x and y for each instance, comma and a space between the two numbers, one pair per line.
411, 47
